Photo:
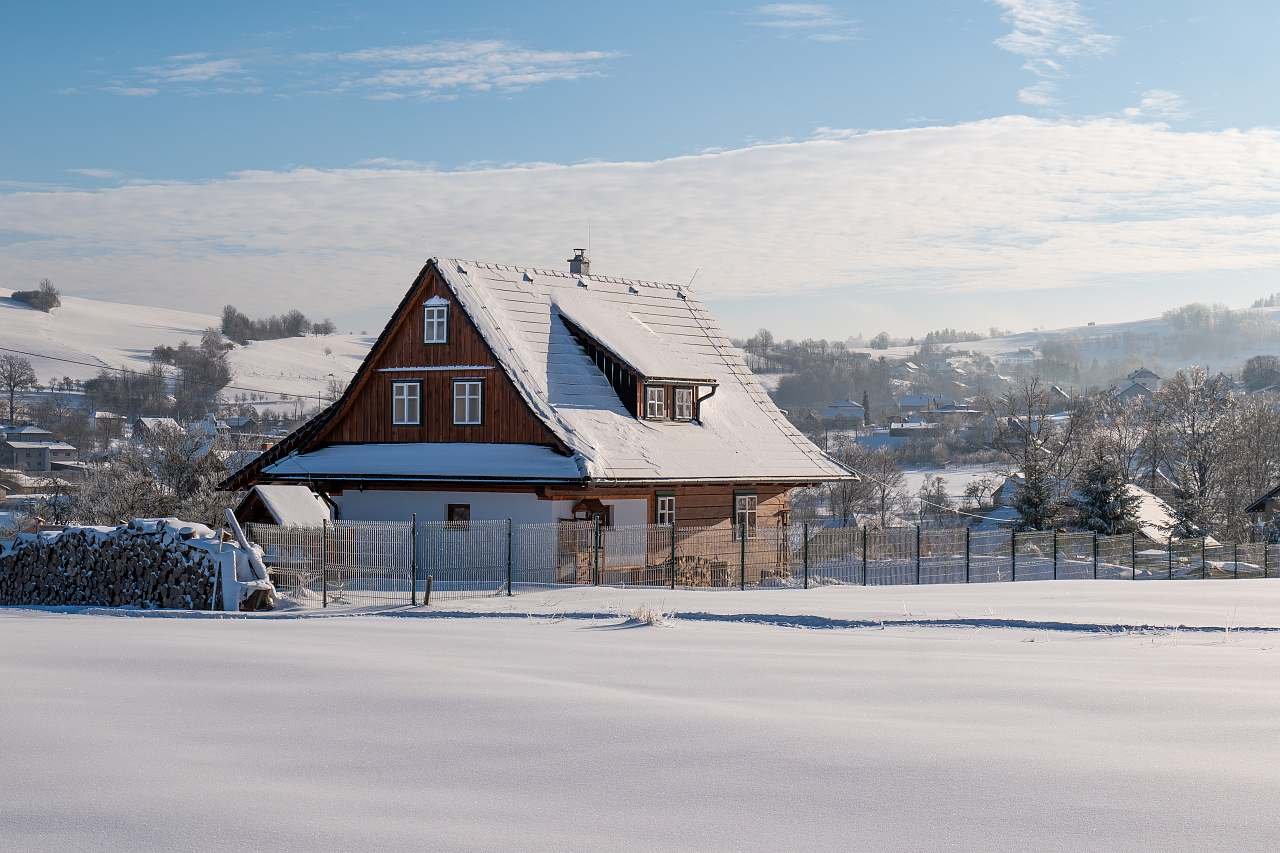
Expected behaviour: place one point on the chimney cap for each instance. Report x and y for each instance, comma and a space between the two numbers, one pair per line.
580, 264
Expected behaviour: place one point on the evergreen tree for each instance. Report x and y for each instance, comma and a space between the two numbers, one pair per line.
866, 409
1036, 502
1106, 505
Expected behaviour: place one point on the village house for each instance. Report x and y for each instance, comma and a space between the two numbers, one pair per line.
844, 412
504, 392
32, 448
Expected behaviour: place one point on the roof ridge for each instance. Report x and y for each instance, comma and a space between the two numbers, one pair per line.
609, 279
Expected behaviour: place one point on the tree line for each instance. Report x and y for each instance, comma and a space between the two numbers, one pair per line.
241, 328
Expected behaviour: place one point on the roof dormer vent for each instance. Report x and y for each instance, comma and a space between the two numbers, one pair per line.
580, 264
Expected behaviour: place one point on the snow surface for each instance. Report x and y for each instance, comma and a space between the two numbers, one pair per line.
420, 731
742, 434
113, 334
432, 460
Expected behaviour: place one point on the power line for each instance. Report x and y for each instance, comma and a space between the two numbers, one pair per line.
143, 373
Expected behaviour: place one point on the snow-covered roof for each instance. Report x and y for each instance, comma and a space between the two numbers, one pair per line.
294, 506
26, 431
742, 434
159, 424
430, 461
31, 445
614, 327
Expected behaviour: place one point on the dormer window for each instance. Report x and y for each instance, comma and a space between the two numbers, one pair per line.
435, 321
683, 404
655, 402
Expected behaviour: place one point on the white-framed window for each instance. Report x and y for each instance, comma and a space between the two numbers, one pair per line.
655, 402
406, 403
744, 515
666, 509
435, 322
468, 397
684, 404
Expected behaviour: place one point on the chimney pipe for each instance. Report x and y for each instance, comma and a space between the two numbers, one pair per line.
580, 264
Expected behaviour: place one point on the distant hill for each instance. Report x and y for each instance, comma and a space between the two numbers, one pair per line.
1156, 342
112, 334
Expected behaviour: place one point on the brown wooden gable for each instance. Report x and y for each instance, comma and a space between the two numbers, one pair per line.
365, 415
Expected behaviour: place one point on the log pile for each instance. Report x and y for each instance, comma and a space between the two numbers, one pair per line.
157, 563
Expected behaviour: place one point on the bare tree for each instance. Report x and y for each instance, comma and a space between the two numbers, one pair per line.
16, 375
1196, 409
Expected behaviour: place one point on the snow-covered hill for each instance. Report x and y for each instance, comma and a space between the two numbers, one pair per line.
1154, 340
111, 334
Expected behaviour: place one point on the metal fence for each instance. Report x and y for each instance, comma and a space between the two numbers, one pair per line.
367, 563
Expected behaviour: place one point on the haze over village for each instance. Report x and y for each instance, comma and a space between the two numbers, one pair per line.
688, 410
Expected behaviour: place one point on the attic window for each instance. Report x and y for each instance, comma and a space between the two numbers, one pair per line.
683, 404
655, 402
435, 321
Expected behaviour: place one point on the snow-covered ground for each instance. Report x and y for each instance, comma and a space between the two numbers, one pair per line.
421, 730
111, 334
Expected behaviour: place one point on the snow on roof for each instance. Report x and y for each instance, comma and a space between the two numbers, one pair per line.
430, 461
290, 505
742, 435
32, 445
617, 330
157, 424
26, 430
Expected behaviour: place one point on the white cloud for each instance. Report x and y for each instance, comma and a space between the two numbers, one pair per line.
1159, 104
183, 71
131, 91
994, 208
437, 70
101, 174
814, 21
1047, 34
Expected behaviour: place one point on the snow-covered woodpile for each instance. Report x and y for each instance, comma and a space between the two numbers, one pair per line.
148, 563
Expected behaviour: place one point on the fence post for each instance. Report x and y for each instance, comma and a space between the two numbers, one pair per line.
426, 593
1095, 556
917, 555
510, 532
413, 560
967, 535
1266, 561
1169, 545
742, 557
1013, 555
864, 555
1055, 555
805, 534
595, 553
1235, 560
323, 562
1202, 568
1133, 556
673, 555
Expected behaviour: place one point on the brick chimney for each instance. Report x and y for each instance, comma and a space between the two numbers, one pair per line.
580, 264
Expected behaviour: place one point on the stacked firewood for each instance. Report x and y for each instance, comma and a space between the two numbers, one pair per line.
136, 565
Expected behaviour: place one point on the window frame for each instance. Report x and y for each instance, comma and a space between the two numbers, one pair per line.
659, 512
416, 384
751, 514
459, 509
676, 393
479, 400
650, 405
435, 317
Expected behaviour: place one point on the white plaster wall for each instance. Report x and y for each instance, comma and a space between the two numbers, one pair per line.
386, 505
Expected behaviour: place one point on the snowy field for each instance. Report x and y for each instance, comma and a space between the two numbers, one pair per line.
579, 729
113, 334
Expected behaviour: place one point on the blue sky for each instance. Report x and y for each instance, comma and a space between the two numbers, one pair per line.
186, 119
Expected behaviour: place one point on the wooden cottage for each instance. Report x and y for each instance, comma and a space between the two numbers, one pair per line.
502, 392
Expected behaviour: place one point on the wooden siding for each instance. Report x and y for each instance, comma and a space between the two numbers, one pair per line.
367, 417
696, 505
